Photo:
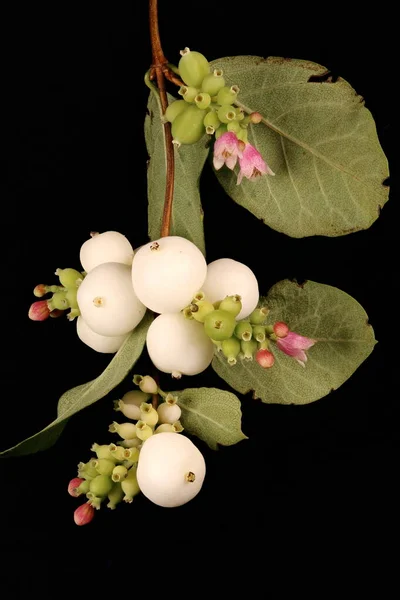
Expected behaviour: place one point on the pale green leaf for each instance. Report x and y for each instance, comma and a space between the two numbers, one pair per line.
211, 414
86, 394
187, 214
321, 312
318, 138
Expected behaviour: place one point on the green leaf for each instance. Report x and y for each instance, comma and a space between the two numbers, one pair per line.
86, 394
321, 312
318, 138
187, 214
212, 415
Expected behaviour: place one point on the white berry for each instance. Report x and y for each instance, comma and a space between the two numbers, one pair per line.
167, 273
100, 343
107, 301
227, 277
179, 346
171, 469
168, 413
109, 246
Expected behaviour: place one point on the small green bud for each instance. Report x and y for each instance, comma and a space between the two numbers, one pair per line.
239, 114
235, 127
130, 485
102, 451
59, 301
143, 431
231, 349
213, 82
244, 331
101, 485
115, 496
259, 333
202, 100
148, 414
69, 277
126, 431
249, 348
188, 127
258, 316
118, 452
220, 131
226, 113
227, 95
174, 109
188, 93
211, 120
193, 67
87, 470
232, 304
119, 473
201, 309
83, 487
104, 466
219, 325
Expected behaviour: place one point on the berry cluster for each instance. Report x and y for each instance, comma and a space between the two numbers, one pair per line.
150, 458
207, 105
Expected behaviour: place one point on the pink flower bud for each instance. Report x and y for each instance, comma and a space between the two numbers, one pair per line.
40, 290
255, 117
73, 485
84, 514
265, 358
39, 311
280, 329
295, 345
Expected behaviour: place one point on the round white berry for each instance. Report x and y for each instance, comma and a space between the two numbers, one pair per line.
178, 345
109, 246
168, 413
100, 343
167, 273
171, 469
227, 277
107, 301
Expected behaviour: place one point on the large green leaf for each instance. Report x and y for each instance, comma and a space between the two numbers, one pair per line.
212, 415
318, 138
86, 394
324, 313
187, 214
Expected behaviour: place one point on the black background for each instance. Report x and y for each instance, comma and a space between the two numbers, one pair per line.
77, 163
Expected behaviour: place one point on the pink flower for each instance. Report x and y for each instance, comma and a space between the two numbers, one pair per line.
295, 345
252, 164
226, 151
39, 311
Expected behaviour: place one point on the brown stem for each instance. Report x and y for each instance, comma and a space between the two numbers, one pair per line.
158, 70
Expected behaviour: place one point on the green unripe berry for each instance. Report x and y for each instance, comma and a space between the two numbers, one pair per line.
71, 297
148, 414
239, 114
104, 466
258, 316
230, 349
118, 452
69, 277
127, 431
130, 485
132, 456
220, 131
87, 470
264, 345
234, 126
83, 487
102, 451
259, 333
219, 325
232, 304
213, 82
244, 331
226, 113
188, 127
174, 109
227, 95
249, 348
203, 100
200, 310
143, 431
119, 473
189, 93
211, 120
165, 427
59, 301
115, 496
101, 485
193, 67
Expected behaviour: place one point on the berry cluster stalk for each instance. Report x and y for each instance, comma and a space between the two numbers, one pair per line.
160, 71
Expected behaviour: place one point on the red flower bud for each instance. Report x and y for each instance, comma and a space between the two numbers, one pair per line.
255, 117
84, 514
40, 290
73, 484
265, 358
39, 311
281, 329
